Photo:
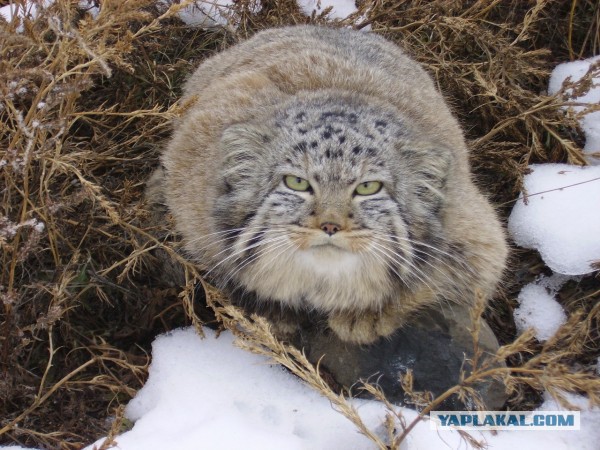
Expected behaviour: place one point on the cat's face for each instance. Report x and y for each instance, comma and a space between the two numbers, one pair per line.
330, 193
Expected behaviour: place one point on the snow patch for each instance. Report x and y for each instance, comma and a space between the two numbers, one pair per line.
207, 13
8, 229
341, 8
209, 392
538, 309
28, 10
90, 6
588, 436
15, 447
560, 216
590, 123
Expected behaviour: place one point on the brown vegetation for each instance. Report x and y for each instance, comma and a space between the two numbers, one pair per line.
85, 105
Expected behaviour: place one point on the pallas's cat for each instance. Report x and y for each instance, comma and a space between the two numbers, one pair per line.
319, 170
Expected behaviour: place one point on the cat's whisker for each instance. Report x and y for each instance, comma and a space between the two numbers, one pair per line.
241, 241
381, 257
389, 259
388, 251
399, 259
245, 249
233, 234
218, 243
436, 257
269, 248
276, 258
262, 243
416, 243
227, 231
377, 257
424, 261
266, 247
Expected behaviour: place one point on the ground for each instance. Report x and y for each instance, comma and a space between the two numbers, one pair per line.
86, 101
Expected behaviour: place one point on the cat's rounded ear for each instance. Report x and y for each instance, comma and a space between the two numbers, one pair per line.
430, 167
437, 165
243, 148
244, 134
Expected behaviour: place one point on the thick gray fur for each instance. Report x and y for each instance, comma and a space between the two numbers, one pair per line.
337, 108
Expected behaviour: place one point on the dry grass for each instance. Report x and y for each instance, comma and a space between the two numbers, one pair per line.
84, 108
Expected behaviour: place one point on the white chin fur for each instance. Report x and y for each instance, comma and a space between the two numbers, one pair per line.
326, 278
329, 260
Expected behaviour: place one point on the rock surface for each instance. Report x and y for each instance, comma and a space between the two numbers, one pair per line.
434, 347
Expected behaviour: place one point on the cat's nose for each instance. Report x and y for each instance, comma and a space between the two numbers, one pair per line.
330, 228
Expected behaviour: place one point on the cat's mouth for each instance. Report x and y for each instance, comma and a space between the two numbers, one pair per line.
318, 241
330, 245
326, 245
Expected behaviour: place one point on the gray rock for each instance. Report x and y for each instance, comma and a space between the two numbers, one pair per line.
435, 347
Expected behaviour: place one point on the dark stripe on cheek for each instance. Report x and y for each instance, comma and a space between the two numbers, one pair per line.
248, 219
245, 222
289, 194
401, 211
396, 247
254, 241
256, 238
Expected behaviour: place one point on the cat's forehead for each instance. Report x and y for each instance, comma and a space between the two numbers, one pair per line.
338, 139
330, 119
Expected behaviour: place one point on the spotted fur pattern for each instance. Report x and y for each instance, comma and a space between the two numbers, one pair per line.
262, 111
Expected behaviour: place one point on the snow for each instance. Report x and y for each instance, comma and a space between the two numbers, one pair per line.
16, 447
29, 10
8, 229
208, 13
197, 13
200, 13
559, 214
589, 433
590, 123
341, 8
205, 13
560, 217
207, 393
90, 7
539, 310
39, 227
9, 11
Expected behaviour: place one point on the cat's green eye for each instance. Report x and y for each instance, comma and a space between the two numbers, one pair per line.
368, 188
296, 183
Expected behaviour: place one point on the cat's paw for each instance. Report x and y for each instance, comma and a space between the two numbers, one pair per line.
364, 327
283, 329
284, 323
